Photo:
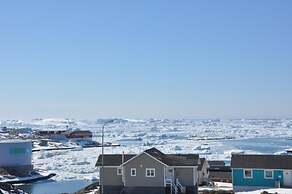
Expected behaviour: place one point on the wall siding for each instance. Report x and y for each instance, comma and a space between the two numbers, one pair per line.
141, 163
16, 154
185, 176
257, 180
110, 177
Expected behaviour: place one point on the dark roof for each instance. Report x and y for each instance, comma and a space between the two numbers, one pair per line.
181, 159
113, 159
174, 159
201, 163
220, 169
261, 161
168, 159
219, 175
216, 163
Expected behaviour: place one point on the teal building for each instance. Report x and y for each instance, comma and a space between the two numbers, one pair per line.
252, 172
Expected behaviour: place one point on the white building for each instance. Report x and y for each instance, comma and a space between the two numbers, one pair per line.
203, 172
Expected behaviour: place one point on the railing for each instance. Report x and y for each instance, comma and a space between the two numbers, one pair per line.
174, 188
179, 185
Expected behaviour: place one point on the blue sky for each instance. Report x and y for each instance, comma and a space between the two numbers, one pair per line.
142, 59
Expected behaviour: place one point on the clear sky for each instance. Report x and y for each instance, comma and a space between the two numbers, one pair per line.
147, 58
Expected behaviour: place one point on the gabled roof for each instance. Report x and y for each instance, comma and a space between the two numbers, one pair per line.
113, 159
156, 154
261, 161
181, 159
167, 159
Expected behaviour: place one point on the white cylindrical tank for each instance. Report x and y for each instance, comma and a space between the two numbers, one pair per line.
15, 153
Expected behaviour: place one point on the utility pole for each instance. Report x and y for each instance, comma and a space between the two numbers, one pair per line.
102, 153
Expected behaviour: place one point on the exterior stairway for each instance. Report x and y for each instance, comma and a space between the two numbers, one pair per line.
174, 187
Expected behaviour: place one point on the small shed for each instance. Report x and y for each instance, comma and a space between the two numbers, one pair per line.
16, 156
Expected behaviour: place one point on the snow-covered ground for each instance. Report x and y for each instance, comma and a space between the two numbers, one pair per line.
228, 187
278, 191
214, 139
218, 186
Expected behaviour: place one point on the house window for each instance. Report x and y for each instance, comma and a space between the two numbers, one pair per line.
269, 174
119, 171
133, 172
247, 173
150, 172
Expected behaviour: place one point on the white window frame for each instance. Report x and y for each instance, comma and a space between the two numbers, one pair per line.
133, 170
119, 171
150, 169
251, 174
269, 171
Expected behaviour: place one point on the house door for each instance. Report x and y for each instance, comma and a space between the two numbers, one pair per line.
169, 174
288, 178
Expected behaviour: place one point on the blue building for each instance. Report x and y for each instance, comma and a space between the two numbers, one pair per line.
16, 156
252, 172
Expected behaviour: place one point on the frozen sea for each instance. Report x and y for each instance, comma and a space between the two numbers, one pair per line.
214, 139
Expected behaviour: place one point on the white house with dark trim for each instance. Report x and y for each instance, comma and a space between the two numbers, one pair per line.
150, 172
203, 171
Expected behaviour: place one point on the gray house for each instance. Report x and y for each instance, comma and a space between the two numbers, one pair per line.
149, 172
